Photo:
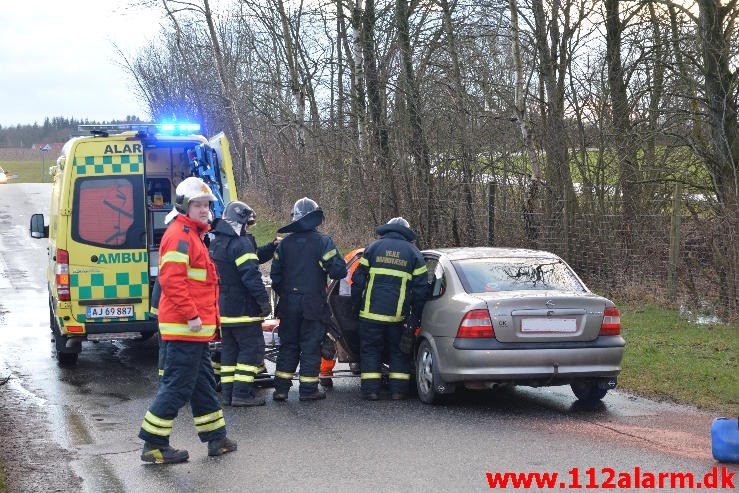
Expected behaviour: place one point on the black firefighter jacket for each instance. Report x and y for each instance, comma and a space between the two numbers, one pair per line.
237, 259
391, 278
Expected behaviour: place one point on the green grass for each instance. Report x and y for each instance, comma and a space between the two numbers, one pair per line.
264, 231
27, 171
668, 357
3, 486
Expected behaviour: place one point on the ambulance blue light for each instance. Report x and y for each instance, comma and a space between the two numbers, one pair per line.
179, 128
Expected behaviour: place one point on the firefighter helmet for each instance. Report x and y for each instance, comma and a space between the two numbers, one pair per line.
191, 188
303, 207
240, 213
400, 221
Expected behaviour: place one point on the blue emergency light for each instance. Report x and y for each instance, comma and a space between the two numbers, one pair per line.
167, 128
178, 128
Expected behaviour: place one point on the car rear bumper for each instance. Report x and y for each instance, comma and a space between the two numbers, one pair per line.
468, 360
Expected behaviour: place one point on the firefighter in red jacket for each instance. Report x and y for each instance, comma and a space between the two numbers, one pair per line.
188, 318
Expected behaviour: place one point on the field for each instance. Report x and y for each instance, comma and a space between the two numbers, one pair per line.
27, 171
669, 357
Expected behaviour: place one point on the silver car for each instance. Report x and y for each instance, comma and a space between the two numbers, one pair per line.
504, 316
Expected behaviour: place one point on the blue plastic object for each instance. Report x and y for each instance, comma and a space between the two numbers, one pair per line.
725, 439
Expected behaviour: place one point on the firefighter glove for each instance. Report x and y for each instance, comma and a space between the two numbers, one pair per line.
408, 338
265, 309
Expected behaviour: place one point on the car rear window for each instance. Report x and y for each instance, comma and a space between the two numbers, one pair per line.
109, 212
516, 274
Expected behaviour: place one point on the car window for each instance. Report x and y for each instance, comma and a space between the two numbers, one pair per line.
437, 281
109, 212
514, 274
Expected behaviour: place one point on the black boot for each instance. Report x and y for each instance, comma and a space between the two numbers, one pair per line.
248, 401
221, 446
163, 454
315, 396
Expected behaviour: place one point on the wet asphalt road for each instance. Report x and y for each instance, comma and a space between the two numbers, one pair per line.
340, 444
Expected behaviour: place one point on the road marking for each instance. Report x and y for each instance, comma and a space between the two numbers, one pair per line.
4, 280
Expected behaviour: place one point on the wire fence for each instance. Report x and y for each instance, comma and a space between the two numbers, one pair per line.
680, 250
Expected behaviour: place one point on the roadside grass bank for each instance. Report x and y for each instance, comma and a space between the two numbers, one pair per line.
28, 171
3, 487
669, 357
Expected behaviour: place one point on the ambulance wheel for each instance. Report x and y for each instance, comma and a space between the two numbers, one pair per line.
52, 320
145, 336
67, 359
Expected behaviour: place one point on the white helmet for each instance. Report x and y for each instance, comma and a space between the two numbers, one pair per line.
400, 221
191, 188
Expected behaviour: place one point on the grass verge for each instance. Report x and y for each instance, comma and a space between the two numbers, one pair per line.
669, 357
265, 230
27, 171
3, 486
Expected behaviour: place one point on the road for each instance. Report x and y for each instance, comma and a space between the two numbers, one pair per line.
74, 429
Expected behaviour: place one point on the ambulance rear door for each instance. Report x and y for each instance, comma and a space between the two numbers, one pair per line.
108, 261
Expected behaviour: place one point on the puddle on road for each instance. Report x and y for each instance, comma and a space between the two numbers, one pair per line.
98, 474
77, 430
15, 384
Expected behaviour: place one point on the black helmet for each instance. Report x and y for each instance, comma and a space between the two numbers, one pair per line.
400, 221
239, 212
303, 207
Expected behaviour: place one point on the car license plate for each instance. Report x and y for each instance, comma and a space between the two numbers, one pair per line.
561, 325
110, 311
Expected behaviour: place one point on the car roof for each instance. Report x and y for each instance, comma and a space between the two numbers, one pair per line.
464, 253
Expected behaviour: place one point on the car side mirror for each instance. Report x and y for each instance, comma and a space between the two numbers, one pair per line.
38, 230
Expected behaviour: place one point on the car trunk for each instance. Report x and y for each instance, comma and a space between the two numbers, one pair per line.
544, 316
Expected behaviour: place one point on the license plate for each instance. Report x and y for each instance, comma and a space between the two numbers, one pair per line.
110, 311
560, 325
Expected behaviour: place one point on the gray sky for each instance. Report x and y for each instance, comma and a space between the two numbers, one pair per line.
57, 59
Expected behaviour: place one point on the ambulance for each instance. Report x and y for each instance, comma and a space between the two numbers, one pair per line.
112, 190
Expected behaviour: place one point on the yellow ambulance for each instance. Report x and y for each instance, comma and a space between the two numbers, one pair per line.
111, 192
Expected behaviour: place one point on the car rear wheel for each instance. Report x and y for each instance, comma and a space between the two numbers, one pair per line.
588, 392
427, 376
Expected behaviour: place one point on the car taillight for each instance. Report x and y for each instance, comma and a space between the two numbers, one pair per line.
611, 325
62, 275
476, 324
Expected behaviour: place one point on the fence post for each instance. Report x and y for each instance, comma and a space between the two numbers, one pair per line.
491, 212
674, 243
565, 225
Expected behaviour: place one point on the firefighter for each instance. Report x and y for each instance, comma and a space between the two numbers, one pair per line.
299, 269
389, 285
328, 346
188, 318
244, 303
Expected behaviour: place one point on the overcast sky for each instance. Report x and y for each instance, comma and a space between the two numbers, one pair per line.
57, 59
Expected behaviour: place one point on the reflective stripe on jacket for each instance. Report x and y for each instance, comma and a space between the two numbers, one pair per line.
390, 279
189, 282
242, 290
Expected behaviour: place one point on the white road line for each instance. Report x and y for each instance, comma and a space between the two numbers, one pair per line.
4, 280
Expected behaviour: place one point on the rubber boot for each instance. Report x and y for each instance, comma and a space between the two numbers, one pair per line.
221, 446
163, 455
